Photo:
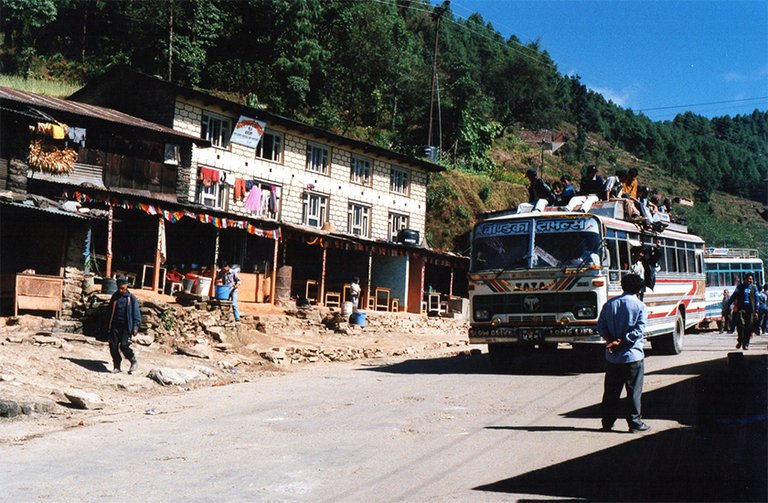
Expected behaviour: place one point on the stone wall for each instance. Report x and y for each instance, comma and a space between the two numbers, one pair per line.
73, 272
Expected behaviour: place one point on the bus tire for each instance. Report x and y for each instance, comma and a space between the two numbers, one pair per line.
671, 344
500, 356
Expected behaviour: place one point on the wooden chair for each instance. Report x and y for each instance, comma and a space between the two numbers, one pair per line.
381, 299
394, 305
346, 292
333, 299
312, 287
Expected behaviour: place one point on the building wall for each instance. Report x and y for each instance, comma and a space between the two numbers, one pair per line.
294, 179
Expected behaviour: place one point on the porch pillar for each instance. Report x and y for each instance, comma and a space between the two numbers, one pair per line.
273, 283
321, 300
450, 287
110, 220
158, 253
215, 261
370, 271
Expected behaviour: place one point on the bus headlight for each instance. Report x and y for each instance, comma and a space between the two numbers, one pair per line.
496, 321
585, 312
482, 314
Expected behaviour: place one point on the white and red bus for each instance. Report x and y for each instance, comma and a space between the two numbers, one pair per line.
540, 278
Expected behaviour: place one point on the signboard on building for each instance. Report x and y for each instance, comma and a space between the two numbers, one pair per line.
248, 131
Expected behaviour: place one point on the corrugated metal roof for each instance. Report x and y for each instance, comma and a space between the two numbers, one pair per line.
51, 209
52, 105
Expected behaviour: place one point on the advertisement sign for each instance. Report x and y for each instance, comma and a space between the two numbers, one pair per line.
248, 131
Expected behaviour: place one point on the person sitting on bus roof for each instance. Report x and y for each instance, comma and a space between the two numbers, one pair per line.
538, 188
592, 183
613, 184
569, 191
631, 183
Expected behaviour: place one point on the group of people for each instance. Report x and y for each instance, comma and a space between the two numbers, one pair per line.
746, 310
624, 184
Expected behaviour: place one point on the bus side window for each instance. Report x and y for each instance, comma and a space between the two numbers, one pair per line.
624, 255
613, 253
669, 253
680, 251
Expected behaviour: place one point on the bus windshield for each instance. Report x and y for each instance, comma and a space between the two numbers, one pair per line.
536, 243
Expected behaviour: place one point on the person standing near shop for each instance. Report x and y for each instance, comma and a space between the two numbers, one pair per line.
354, 291
745, 299
124, 323
228, 277
622, 324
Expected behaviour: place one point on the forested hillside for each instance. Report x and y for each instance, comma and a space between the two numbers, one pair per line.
363, 68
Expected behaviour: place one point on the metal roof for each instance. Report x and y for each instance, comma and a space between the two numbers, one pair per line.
55, 210
52, 105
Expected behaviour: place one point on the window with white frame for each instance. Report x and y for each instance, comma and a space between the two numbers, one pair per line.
361, 170
359, 220
397, 222
314, 209
270, 147
317, 158
217, 129
211, 189
399, 181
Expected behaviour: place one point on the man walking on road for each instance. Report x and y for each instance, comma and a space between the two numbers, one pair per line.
124, 323
745, 297
622, 324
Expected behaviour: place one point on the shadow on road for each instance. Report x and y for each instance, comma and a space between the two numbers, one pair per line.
92, 365
561, 362
722, 457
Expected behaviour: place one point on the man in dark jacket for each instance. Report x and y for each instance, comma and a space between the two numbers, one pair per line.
745, 298
538, 189
592, 183
651, 259
124, 323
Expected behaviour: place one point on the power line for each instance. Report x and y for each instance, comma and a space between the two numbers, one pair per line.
704, 104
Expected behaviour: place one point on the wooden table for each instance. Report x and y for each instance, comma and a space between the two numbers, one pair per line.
38, 292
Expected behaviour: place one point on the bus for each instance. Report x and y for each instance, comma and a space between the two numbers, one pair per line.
725, 268
539, 278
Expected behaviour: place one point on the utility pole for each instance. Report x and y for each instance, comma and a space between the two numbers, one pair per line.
436, 15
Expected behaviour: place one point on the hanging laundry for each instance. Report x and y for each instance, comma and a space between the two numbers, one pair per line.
77, 135
240, 189
249, 184
209, 176
253, 203
273, 200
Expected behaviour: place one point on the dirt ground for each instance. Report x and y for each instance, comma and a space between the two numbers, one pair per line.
41, 364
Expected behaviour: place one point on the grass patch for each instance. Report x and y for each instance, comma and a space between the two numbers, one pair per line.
54, 88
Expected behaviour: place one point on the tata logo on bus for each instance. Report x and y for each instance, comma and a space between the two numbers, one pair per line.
531, 303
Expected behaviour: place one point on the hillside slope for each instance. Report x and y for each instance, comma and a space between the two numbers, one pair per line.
456, 197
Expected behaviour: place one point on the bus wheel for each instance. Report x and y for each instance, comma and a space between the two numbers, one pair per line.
671, 344
500, 356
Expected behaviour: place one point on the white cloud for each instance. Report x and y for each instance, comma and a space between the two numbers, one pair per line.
620, 98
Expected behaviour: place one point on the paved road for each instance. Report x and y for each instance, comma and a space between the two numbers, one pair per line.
443, 429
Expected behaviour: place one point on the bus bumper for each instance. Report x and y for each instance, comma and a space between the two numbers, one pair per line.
534, 335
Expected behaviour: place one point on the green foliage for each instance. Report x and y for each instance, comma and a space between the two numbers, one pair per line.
463, 212
168, 318
365, 68
439, 192
485, 193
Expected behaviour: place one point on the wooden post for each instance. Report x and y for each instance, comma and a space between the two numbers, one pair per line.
450, 287
213, 268
370, 270
108, 272
423, 275
156, 275
321, 300
273, 283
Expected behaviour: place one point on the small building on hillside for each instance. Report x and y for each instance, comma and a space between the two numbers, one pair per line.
343, 207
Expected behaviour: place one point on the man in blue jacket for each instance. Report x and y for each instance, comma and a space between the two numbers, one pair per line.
622, 324
746, 300
124, 323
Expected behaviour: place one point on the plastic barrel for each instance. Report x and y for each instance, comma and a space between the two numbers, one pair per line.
188, 285
109, 285
283, 283
347, 308
357, 318
222, 292
203, 286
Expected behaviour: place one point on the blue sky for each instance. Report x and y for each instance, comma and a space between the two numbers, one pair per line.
645, 55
